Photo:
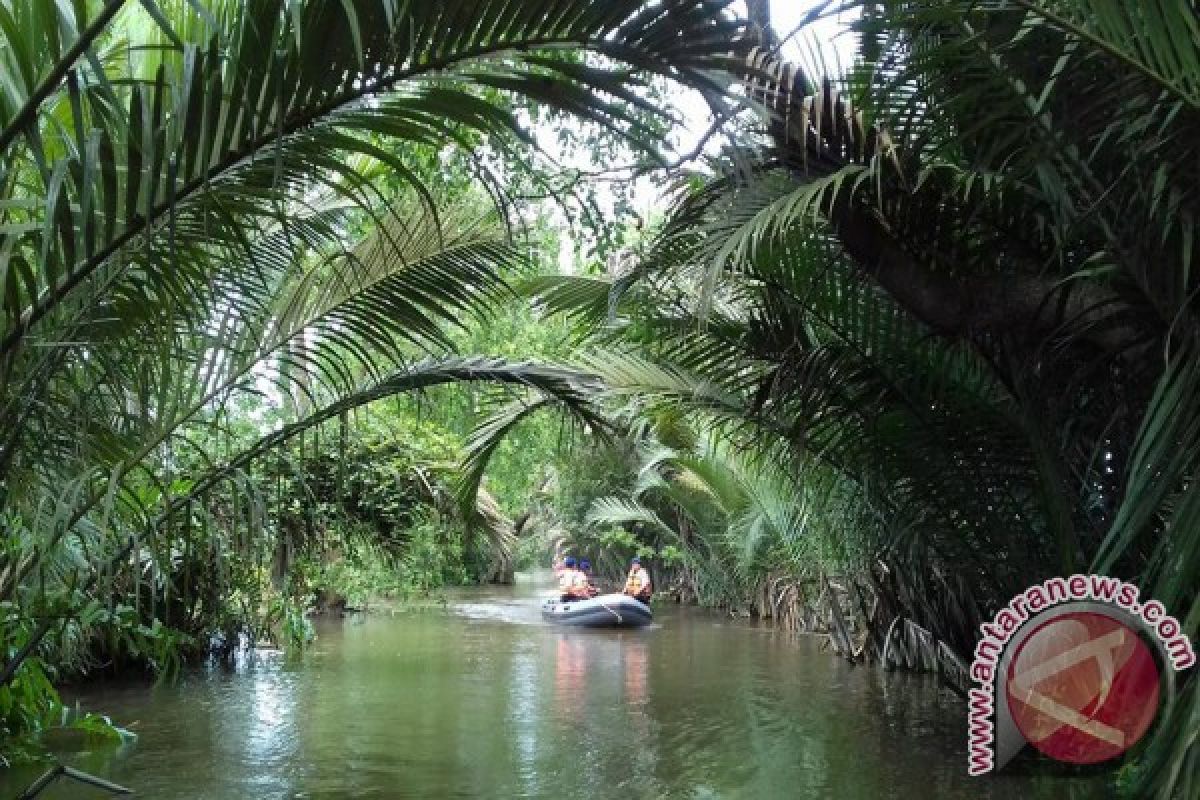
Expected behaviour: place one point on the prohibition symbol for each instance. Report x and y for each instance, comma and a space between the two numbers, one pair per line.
1083, 688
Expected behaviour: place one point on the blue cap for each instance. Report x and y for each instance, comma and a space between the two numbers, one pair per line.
636, 560
585, 564
570, 561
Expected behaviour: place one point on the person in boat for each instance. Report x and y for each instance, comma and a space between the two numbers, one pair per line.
585, 567
637, 584
564, 574
572, 584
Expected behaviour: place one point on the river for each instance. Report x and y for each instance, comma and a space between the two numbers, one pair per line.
482, 700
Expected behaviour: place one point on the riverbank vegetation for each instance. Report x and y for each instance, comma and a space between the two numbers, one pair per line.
906, 337
229, 228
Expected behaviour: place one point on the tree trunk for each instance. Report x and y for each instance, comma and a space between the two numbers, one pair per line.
759, 14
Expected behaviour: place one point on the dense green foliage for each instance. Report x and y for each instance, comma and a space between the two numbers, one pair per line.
923, 333
229, 228
943, 309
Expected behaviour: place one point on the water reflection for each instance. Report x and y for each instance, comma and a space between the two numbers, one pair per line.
637, 672
525, 717
271, 730
472, 705
570, 675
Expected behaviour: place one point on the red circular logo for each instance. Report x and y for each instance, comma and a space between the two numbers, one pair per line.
1083, 687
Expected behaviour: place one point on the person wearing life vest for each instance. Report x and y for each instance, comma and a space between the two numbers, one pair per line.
637, 584
572, 585
585, 567
583, 583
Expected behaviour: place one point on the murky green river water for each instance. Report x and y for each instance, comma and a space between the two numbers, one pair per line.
484, 701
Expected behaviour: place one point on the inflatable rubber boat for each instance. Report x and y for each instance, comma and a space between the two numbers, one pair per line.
605, 611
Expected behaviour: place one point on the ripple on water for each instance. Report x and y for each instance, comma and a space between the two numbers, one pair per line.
487, 702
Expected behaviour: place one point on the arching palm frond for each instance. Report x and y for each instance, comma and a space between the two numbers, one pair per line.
204, 201
970, 269
162, 171
617, 511
570, 390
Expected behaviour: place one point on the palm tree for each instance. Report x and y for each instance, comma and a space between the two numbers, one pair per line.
186, 188
1031, 192
962, 277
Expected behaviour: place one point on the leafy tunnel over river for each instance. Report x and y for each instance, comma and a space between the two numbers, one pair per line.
327, 326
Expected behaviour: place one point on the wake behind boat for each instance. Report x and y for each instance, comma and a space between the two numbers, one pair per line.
605, 611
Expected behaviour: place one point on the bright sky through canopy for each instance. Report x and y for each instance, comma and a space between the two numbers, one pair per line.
824, 46
837, 43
